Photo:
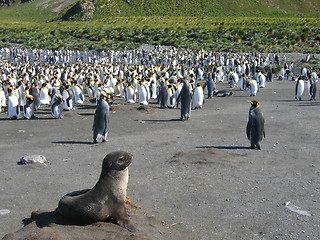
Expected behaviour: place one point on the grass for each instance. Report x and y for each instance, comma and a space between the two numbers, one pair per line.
31, 26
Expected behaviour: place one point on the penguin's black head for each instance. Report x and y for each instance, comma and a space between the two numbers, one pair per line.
254, 104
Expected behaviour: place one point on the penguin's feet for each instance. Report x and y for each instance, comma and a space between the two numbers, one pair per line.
253, 146
95, 141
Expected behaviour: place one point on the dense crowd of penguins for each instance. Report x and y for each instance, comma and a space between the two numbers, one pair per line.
61, 79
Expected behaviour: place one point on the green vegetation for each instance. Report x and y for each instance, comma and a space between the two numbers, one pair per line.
207, 8
122, 24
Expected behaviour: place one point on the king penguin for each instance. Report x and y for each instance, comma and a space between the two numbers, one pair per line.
130, 93
143, 93
13, 105
36, 96
185, 97
163, 95
198, 97
299, 89
153, 90
28, 108
210, 86
44, 95
253, 87
77, 92
68, 99
171, 101
56, 106
312, 88
255, 125
101, 120
3, 99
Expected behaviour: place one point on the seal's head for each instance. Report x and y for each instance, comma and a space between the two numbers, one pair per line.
118, 161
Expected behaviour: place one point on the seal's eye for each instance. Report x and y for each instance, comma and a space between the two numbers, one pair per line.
122, 159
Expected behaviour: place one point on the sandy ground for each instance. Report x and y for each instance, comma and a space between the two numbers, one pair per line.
197, 176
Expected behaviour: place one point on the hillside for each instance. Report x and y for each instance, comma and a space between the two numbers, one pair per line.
229, 25
209, 8
174, 8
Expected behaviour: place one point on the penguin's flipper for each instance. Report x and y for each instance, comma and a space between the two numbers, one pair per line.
248, 129
81, 97
171, 100
106, 124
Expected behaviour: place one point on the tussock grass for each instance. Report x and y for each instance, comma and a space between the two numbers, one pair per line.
33, 25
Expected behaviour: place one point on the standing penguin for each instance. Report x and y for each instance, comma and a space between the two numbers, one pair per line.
143, 93
130, 93
252, 85
163, 95
13, 105
312, 88
3, 100
171, 101
101, 120
77, 92
56, 106
299, 89
28, 108
210, 87
153, 90
261, 80
186, 99
68, 99
36, 96
255, 125
44, 95
198, 97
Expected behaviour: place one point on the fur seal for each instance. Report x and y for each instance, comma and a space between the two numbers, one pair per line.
106, 198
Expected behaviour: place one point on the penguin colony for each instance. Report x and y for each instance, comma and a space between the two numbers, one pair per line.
60, 80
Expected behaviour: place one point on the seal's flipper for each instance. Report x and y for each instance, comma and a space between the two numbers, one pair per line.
127, 224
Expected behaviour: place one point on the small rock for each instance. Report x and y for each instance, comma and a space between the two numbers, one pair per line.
4, 211
33, 159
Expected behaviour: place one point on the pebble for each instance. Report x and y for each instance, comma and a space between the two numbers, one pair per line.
4, 211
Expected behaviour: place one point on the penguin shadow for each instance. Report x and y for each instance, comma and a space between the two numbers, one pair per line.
86, 106
74, 142
163, 120
42, 111
225, 147
86, 114
302, 103
24, 119
307, 103
287, 100
7, 119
